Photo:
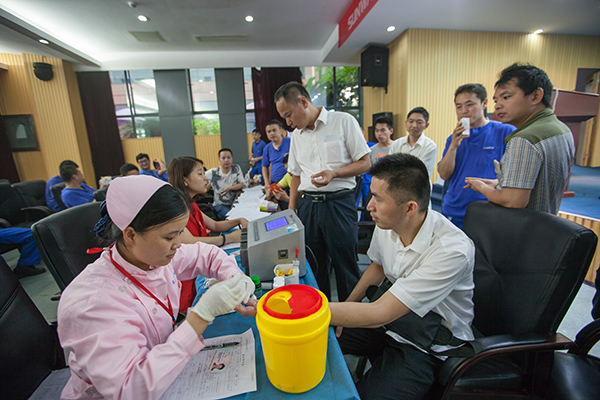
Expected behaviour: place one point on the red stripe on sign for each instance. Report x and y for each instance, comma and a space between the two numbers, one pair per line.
353, 16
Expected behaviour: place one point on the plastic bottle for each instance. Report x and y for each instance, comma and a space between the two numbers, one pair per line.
257, 286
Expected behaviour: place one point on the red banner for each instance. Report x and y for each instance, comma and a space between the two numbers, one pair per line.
353, 16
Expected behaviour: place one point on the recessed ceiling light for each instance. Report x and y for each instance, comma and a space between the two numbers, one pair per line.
143, 18
391, 28
249, 18
43, 41
537, 32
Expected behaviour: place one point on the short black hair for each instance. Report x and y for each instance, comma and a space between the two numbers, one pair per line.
385, 120
407, 178
275, 122
67, 171
476, 88
68, 162
125, 168
225, 149
141, 155
291, 91
255, 130
528, 79
419, 110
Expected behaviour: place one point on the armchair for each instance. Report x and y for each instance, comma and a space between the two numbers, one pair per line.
529, 266
63, 239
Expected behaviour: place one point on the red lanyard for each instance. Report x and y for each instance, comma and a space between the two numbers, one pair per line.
168, 309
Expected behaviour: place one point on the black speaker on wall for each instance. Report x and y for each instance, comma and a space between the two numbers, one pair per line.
374, 66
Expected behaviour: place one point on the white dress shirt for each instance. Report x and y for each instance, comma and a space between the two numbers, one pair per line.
433, 273
336, 141
425, 149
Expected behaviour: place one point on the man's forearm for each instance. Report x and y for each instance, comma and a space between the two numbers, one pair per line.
266, 177
294, 195
447, 164
373, 275
358, 167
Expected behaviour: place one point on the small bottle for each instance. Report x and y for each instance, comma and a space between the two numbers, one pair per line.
296, 262
257, 286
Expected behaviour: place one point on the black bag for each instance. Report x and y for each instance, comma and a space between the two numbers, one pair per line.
422, 331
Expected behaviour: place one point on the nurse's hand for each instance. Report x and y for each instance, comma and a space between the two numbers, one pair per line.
248, 309
223, 297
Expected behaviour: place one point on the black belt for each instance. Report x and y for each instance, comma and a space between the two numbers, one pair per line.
321, 197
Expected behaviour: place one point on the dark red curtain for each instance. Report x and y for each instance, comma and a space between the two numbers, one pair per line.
101, 122
8, 169
264, 84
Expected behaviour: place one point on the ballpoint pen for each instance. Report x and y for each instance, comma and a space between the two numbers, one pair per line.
220, 346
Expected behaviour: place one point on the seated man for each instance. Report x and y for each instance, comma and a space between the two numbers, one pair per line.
30, 256
129, 169
225, 181
160, 170
282, 190
429, 265
50, 200
76, 191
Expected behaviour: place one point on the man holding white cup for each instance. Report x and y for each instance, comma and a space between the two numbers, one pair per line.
470, 150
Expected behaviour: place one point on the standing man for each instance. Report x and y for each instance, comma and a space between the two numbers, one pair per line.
535, 170
76, 191
160, 170
416, 143
471, 154
327, 151
384, 129
427, 264
272, 162
257, 153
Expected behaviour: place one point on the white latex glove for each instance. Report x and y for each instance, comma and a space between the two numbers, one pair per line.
222, 297
248, 284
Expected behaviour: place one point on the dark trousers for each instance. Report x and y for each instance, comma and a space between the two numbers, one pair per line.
331, 231
398, 371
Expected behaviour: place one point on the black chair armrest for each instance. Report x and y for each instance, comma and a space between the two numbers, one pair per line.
4, 223
586, 338
36, 213
486, 347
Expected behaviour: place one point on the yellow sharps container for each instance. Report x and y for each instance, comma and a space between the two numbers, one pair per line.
293, 322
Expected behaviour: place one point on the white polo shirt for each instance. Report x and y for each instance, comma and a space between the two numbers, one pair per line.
425, 149
433, 273
336, 141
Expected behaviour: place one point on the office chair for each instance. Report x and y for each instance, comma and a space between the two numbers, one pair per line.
63, 239
529, 266
13, 210
100, 194
31, 193
575, 375
29, 347
56, 193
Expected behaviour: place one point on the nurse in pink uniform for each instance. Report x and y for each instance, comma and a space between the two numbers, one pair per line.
117, 317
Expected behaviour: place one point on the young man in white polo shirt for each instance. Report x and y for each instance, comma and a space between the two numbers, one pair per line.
416, 143
427, 263
327, 151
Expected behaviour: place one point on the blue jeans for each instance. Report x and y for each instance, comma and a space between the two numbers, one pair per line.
22, 236
222, 211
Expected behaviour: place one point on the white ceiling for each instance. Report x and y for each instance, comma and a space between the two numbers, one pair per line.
94, 34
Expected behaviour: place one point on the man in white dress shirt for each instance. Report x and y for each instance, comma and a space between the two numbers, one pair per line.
426, 265
327, 151
416, 143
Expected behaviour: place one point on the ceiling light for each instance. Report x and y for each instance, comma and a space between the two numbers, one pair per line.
43, 41
391, 28
143, 18
537, 32
249, 18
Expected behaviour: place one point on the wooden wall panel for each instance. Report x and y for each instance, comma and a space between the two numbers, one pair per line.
433, 63
152, 146
594, 225
207, 149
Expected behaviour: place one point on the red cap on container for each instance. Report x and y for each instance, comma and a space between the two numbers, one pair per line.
292, 302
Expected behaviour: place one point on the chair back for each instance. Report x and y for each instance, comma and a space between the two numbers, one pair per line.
56, 193
29, 347
63, 238
31, 193
10, 205
529, 266
100, 194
